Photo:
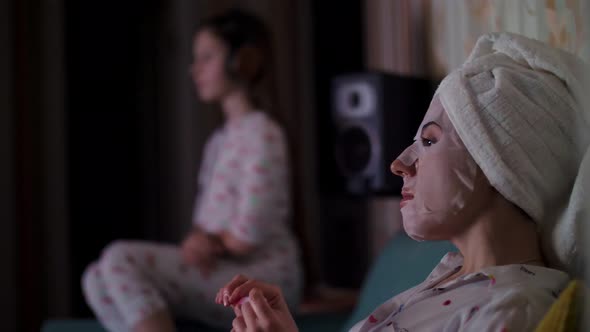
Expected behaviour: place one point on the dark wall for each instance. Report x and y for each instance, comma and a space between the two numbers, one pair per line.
110, 115
8, 312
338, 48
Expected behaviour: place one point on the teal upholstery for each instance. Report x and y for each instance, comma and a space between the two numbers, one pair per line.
78, 325
307, 323
402, 264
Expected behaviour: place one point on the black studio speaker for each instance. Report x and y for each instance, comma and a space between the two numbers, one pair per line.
376, 116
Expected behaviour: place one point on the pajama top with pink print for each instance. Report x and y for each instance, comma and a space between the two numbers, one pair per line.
508, 298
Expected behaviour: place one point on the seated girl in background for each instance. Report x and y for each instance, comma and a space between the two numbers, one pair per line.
241, 218
499, 168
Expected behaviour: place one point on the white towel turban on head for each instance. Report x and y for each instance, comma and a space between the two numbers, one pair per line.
521, 109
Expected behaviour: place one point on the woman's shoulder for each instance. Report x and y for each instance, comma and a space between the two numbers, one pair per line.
516, 297
526, 276
528, 287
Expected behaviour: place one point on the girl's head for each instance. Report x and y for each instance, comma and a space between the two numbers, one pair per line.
230, 53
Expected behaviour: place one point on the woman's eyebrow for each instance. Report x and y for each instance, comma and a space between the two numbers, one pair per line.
429, 124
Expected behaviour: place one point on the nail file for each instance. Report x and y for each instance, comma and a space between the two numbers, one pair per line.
243, 300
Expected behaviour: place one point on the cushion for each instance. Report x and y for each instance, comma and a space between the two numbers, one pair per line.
564, 314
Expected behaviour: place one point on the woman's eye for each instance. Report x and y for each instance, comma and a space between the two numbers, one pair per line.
427, 142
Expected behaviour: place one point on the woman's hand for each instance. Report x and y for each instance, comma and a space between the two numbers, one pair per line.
201, 250
259, 307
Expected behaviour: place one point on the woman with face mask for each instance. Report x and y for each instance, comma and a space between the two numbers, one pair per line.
500, 167
241, 217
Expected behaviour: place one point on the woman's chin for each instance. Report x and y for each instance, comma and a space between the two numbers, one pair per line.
420, 230
416, 237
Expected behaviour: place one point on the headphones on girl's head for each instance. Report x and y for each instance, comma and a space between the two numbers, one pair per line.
247, 39
248, 42
244, 63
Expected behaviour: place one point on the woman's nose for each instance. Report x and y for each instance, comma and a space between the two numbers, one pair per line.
400, 169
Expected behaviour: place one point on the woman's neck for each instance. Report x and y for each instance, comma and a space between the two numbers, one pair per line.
235, 105
501, 235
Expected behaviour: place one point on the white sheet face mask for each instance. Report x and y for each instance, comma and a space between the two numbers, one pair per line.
446, 178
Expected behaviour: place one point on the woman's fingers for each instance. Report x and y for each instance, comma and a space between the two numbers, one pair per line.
261, 307
272, 294
249, 316
218, 296
239, 325
240, 287
223, 295
238, 310
242, 290
235, 282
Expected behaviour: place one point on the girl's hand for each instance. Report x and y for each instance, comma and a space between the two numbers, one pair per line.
201, 250
234, 245
265, 309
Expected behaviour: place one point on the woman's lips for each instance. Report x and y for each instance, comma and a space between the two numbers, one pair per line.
405, 198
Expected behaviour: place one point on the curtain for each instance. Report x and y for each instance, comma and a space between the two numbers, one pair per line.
432, 37
455, 26
33, 232
395, 36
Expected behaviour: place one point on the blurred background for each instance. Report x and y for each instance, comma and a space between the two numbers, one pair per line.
101, 132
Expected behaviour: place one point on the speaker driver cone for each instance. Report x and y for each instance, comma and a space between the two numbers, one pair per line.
353, 150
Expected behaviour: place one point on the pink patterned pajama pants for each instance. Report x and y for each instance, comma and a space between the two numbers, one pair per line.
134, 279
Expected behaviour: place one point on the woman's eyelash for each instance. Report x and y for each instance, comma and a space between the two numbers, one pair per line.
427, 141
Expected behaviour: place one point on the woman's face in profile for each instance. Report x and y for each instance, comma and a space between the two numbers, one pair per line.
442, 182
208, 68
